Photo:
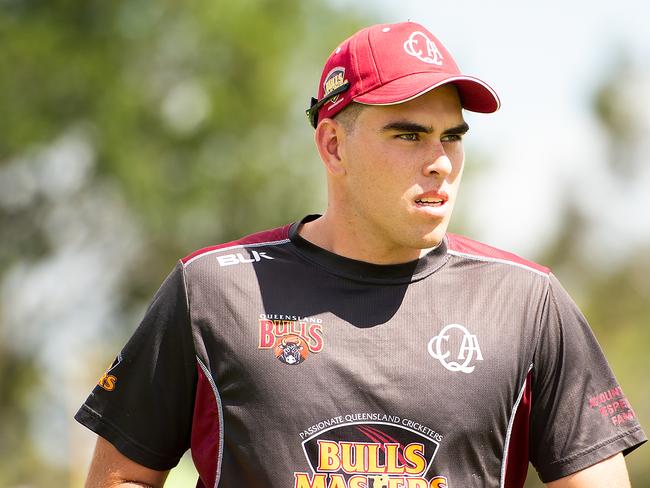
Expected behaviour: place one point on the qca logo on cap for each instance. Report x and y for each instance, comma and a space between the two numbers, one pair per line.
440, 348
417, 43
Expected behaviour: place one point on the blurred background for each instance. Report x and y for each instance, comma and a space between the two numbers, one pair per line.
134, 132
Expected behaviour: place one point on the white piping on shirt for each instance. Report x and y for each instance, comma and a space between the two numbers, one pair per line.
237, 246
220, 410
506, 446
496, 260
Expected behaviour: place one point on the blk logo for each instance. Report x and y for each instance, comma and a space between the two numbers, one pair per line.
423, 48
443, 349
239, 258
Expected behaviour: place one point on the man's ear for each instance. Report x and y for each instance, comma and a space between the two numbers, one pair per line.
329, 138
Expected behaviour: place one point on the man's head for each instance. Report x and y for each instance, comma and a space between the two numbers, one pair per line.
394, 171
389, 128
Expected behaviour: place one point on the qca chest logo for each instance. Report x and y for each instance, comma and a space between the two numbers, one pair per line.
456, 348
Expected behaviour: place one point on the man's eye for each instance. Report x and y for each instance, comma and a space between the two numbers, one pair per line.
413, 136
452, 138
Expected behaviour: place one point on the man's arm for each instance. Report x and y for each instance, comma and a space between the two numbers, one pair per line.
610, 473
110, 468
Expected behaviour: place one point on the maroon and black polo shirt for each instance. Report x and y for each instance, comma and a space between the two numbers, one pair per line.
281, 364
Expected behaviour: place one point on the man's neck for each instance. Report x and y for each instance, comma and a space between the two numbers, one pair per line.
340, 237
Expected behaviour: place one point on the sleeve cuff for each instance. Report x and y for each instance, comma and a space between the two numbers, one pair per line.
624, 443
135, 451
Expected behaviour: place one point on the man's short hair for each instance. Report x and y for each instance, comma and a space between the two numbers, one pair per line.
348, 116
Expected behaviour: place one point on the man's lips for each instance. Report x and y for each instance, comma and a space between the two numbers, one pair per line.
432, 199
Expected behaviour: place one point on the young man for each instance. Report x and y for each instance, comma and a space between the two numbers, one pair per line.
366, 347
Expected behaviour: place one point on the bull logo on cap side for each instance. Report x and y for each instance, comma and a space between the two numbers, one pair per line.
423, 48
334, 80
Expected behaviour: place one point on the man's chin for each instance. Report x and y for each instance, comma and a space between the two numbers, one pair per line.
433, 238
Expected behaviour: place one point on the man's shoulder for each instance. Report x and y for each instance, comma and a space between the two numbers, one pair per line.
269, 237
467, 248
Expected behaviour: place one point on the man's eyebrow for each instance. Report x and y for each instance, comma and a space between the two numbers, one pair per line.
459, 129
401, 126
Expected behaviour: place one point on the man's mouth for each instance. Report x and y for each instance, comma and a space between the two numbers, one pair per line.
436, 200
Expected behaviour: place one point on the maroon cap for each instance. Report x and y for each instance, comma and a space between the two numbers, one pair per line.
388, 64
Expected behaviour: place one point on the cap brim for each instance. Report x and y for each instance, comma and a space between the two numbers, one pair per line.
475, 95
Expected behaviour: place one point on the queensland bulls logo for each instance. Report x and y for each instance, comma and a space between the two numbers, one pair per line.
291, 340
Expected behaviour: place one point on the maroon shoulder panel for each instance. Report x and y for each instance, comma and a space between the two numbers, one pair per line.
270, 235
517, 455
205, 431
468, 246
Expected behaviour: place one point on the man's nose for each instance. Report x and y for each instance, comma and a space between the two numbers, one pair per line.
438, 164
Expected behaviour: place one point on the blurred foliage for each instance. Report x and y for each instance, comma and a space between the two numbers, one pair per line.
190, 116
613, 290
189, 109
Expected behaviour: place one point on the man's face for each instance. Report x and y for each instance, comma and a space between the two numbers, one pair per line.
403, 168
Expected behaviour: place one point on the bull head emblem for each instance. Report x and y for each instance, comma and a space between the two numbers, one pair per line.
291, 351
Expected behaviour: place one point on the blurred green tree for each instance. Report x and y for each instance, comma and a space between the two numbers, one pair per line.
611, 285
153, 127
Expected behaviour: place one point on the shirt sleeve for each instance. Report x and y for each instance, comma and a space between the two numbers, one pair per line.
579, 415
143, 404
